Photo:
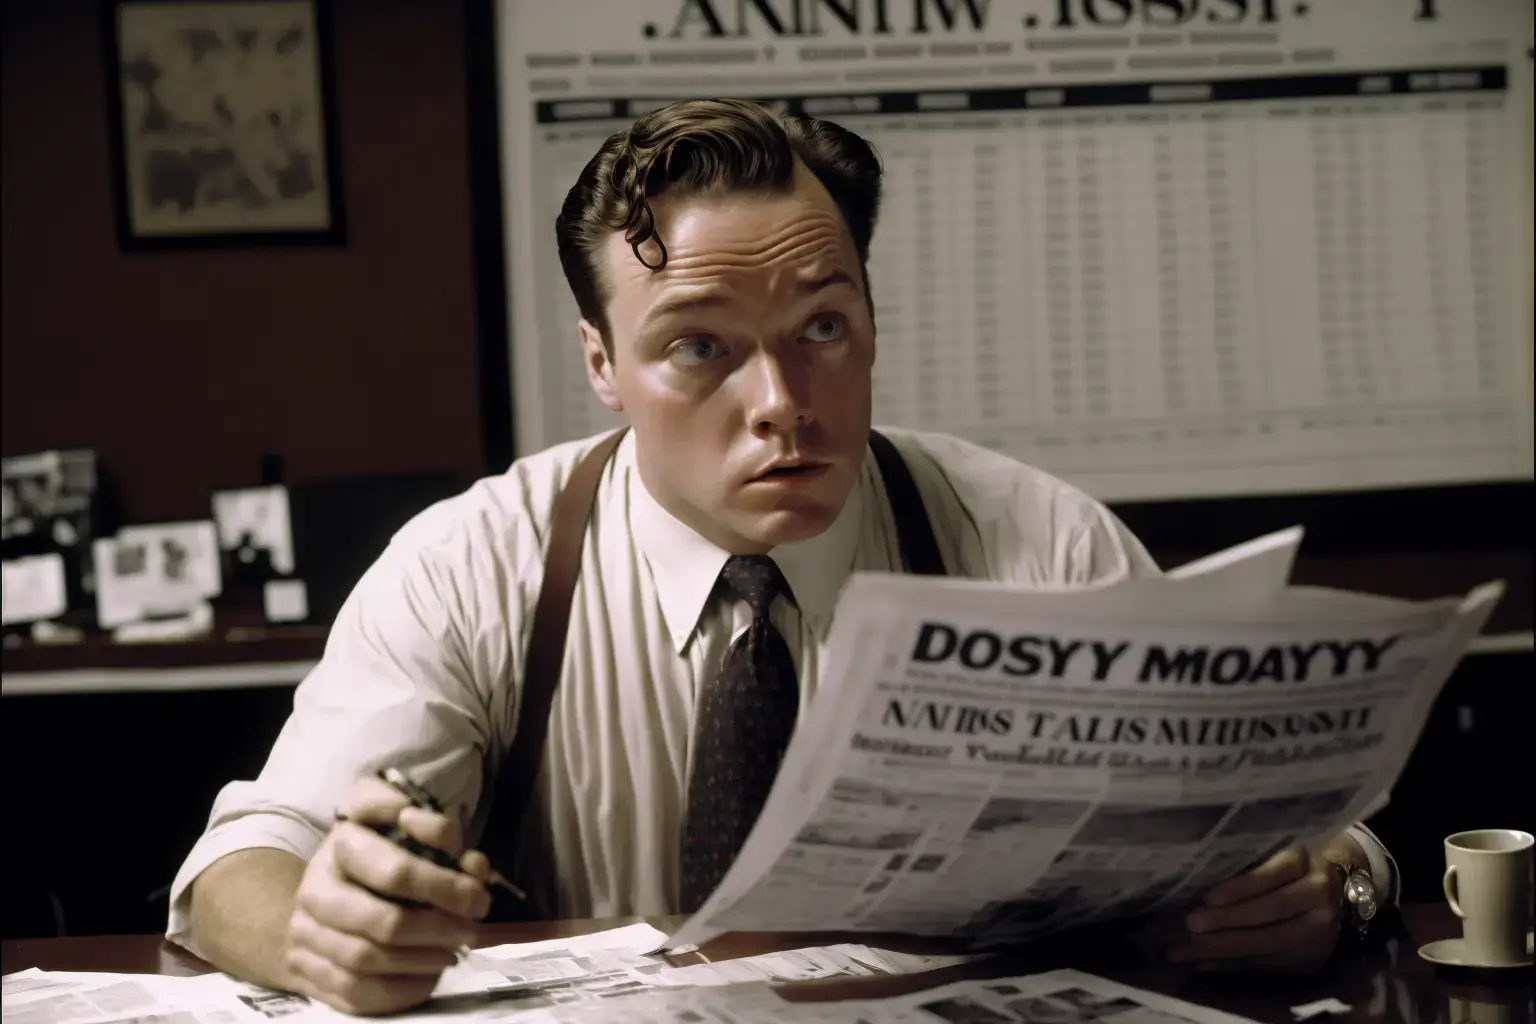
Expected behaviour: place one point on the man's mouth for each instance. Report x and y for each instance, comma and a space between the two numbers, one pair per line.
792, 471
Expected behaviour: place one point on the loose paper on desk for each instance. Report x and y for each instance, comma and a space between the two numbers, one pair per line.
494, 985
1001, 762
48, 997
1055, 997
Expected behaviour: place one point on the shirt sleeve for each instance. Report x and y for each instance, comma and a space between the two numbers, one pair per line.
1008, 521
1383, 867
1384, 873
397, 684
1104, 548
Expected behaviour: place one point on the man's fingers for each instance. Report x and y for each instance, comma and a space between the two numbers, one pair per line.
1281, 869
1276, 926
477, 865
349, 908
1297, 937
360, 995
1282, 904
360, 955
373, 861
373, 800
434, 829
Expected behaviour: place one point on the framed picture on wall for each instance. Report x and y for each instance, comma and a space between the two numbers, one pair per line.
222, 123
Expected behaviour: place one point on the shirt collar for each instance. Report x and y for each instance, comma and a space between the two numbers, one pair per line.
685, 565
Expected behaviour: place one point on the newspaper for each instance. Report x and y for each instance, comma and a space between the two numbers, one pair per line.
505, 983
814, 963
1001, 763
50, 997
1055, 997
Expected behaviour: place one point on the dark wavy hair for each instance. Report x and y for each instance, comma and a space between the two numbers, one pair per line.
696, 146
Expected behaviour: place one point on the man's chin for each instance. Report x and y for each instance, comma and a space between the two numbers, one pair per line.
785, 526
770, 516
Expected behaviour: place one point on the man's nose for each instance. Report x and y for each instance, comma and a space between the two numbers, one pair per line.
780, 394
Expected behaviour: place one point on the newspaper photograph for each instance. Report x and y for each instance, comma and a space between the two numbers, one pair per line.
999, 763
1054, 997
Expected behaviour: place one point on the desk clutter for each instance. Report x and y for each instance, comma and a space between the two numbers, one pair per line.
73, 566
615, 976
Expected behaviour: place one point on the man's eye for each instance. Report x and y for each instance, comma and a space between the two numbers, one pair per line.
693, 351
825, 328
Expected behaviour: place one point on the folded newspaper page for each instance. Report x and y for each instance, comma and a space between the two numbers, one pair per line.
1000, 763
1054, 997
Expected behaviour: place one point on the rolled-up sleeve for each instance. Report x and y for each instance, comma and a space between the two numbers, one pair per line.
398, 684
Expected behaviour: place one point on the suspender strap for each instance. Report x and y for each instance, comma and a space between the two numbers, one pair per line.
519, 771
914, 530
546, 646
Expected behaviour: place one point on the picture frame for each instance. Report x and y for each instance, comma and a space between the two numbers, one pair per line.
222, 124
160, 569
255, 532
51, 503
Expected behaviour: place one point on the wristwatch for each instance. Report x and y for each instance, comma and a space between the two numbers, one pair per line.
1360, 900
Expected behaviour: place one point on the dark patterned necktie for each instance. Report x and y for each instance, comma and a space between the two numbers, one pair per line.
743, 723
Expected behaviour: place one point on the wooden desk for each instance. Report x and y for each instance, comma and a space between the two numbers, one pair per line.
1390, 984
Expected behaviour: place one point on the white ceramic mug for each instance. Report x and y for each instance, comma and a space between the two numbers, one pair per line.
1488, 885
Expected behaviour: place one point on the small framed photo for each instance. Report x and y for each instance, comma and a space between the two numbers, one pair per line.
152, 571
49, 505
222, 124
34, 589
255, 532
47, 495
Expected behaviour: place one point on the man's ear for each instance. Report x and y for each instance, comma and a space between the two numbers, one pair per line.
599, 367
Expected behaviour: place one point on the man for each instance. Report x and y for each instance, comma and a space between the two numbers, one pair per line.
717, 255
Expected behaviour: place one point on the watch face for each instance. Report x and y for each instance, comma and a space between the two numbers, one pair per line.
1361, 894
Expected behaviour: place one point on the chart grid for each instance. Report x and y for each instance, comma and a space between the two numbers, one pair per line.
1284, 271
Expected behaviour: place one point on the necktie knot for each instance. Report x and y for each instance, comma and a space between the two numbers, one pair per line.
756, 580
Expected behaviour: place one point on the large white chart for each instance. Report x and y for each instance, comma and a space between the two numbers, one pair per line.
1162, 249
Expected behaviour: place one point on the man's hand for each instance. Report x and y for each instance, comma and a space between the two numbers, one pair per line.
1281, 916
351, 945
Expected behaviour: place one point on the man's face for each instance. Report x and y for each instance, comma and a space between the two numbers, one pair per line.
744, 366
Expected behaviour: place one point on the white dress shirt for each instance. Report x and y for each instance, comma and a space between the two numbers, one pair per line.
422, 665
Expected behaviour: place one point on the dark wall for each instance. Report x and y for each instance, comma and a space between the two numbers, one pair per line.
184, 368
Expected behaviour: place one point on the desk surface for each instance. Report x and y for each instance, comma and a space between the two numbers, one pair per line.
1389, 984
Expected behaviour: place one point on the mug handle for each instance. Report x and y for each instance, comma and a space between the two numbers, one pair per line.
1448, 883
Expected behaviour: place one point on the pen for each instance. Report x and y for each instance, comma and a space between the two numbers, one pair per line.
410, 844
422, 798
